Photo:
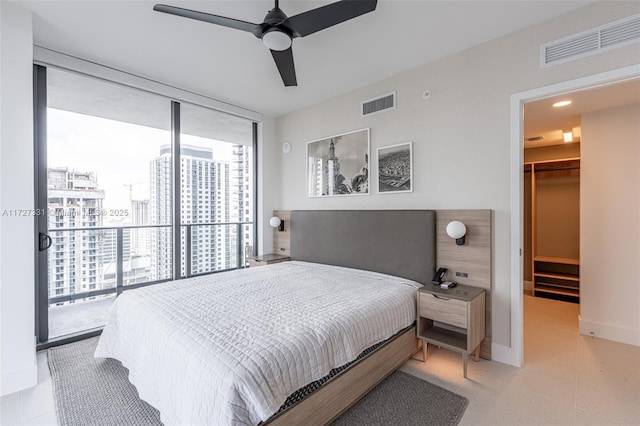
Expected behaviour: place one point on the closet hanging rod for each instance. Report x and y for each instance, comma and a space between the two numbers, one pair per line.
555, 170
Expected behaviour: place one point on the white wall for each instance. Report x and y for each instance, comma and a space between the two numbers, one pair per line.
610, 224
17, 236
461, 134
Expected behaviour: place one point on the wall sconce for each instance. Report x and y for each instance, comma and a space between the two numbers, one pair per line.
457, 230
276, 222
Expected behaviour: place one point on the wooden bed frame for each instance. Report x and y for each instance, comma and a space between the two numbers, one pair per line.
342, 391
396, 242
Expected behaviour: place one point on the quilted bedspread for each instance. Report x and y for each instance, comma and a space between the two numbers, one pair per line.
229, 348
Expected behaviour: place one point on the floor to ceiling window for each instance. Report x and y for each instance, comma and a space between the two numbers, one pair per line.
216, 189
110, 161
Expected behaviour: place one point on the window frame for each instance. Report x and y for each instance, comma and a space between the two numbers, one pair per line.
45, 59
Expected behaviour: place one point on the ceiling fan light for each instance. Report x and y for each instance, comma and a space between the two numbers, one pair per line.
276, 40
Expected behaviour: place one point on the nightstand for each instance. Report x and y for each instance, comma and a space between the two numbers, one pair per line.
452, 319
267, 259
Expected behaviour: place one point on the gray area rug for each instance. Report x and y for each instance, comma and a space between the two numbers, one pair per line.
402, 399
91, 392
97, 392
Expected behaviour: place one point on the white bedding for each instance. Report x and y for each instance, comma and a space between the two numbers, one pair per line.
229, 348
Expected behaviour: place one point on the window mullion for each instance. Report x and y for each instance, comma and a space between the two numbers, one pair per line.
176, 220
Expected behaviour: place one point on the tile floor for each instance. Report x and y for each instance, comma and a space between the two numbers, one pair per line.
568, 379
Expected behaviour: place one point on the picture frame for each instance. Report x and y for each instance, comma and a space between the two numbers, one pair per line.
395, 168
338, 165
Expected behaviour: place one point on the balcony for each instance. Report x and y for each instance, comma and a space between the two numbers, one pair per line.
129, 257
79, 316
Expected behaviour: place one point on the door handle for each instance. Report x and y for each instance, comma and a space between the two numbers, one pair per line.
44, 241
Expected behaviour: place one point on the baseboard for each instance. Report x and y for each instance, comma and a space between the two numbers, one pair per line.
17, 380
630, 336
502, 354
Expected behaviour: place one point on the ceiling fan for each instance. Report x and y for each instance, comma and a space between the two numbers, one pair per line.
278, 30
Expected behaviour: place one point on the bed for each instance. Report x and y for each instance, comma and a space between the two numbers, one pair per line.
231, 348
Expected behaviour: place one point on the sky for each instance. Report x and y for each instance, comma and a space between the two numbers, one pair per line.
119, 153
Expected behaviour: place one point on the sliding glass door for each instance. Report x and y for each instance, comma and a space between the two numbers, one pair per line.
107, 175
216, 190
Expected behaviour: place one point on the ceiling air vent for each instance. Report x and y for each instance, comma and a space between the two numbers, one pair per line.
606, 37
382, 103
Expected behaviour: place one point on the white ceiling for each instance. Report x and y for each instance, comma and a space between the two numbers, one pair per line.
235, 67
542, 119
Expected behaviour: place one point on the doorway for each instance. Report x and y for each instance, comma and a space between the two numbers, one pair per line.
518, 101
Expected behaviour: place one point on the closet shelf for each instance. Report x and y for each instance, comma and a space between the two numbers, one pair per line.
551, 259
558, 290
558, 276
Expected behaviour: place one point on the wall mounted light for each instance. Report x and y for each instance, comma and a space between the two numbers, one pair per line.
457, 231
276, 222
567, 135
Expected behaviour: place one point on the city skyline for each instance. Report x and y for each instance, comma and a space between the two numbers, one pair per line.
111, 166
82, 142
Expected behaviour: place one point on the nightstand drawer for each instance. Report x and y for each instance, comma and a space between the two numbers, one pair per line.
449, 311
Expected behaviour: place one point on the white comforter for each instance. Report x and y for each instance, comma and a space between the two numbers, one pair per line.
230, 348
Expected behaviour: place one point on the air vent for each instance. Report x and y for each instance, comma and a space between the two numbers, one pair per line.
535, 138
610, 36
380, 104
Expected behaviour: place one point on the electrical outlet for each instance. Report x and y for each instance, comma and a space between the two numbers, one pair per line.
462, 274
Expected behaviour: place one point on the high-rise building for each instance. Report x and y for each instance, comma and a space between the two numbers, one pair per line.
241, 192
74, 201
205, 194
332, 170
316, 184
140, 237
139, 212
160, 213
109, 241
136, 262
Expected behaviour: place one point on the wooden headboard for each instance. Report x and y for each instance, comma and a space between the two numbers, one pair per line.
395, 242
470, 263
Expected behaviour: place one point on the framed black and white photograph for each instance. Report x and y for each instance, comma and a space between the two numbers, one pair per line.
395, 168
339, 165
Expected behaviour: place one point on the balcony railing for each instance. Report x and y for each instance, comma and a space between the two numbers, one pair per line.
127, 257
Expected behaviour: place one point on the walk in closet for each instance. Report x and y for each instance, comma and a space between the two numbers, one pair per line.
552, 228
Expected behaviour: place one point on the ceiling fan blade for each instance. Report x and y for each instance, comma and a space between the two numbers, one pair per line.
212, 19
327, 16
284, 62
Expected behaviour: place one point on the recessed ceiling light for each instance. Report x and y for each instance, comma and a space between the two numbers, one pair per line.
561, 104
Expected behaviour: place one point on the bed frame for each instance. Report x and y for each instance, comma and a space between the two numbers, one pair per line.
396, 242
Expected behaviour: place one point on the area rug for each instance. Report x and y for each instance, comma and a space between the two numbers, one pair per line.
97, 392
